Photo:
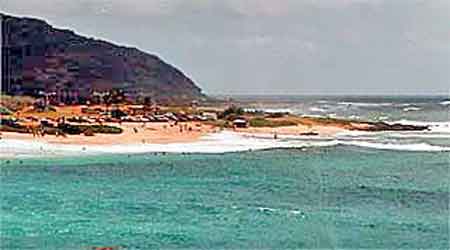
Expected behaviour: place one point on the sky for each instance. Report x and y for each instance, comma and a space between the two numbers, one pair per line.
295, 47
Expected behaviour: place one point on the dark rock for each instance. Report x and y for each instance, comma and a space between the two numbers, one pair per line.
382, 126
309, 133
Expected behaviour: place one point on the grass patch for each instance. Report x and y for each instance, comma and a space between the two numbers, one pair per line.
80, 129
262, 122
219, 123
16, 103
64, 129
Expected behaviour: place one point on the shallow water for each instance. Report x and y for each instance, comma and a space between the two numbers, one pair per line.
337, 197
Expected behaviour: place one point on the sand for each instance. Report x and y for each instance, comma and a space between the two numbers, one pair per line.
164, 133
158, 133
294, 130
160, 137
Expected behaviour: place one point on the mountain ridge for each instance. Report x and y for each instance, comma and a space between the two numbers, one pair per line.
37, 57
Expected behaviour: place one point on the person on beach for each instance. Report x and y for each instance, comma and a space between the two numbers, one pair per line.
36, 131
31, 129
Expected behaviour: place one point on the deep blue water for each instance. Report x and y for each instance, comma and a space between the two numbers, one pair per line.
337, 197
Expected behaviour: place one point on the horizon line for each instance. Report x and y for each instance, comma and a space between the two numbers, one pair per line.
333, 94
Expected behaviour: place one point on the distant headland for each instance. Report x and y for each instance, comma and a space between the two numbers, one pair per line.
38, 59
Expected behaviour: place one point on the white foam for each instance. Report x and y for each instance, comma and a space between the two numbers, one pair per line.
383, 118
213, 143
417, 147
267, 209
268, 110
366, 104
409, 109
317, 109
445, 103
441, 127
425, 135
366, 135
268, 136
354, 117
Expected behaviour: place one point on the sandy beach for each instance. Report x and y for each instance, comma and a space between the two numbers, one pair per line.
164, 133
139, 138
322, 131
133, 133
195, 135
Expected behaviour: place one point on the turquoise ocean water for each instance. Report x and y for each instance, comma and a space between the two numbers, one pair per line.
319, 198
347, 195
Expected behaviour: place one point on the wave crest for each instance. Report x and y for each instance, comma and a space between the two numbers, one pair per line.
214, 143
442, 127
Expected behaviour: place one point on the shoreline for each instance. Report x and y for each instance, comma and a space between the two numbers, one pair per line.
209, 143
164, 133
203, 137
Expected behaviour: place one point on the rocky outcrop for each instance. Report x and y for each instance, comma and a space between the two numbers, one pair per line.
37, 57
359, 125
382, 126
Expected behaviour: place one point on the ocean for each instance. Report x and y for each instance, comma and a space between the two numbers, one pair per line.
385, 190
373, 108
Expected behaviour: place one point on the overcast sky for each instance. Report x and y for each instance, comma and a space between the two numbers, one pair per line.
275, 46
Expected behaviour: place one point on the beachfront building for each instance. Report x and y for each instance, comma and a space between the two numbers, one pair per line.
212, 116
240, 123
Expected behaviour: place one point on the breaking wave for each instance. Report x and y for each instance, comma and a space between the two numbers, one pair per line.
317, 109
442, 127
366, 104
417, 147
269, 110
413, 108
214, 143
445, 103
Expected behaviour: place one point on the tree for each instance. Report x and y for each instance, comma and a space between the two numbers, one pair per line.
232, 110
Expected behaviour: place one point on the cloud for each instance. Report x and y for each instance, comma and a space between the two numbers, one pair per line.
298, 45
260, 7
117, 7
250, 8
139, 7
